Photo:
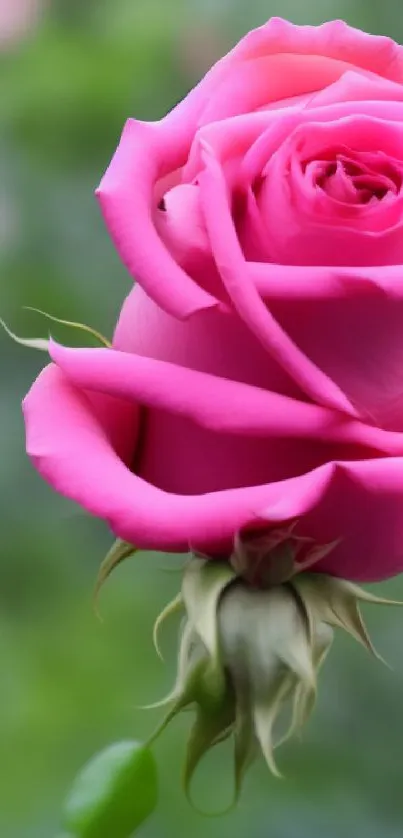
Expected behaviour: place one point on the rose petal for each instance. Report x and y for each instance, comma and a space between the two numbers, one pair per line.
319, 52
261, 81
259, 155
180, 224
334, 39
216, 342
360, 501
349, 321
306, 227
324, 282
247, 302
148, 151
212, 402
228, 137
355, 86
126, 195
358, 341
183, 424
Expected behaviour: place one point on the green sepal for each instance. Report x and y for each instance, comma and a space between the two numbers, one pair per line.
213, 724
248, 653
265, 714
203, 585
304, 697
42, 344
337, 602
30, 343
245, 746
180, 699
82, 327
119, 551
173, 607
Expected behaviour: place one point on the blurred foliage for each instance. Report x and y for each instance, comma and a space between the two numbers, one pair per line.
69, 684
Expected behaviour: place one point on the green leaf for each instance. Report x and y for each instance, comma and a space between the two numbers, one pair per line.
113, 794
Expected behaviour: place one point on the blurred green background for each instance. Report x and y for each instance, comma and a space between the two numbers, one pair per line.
71, 72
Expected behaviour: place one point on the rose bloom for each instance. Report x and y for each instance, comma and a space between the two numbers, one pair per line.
256, 372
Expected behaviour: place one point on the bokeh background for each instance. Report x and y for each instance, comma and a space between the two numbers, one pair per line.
71, 72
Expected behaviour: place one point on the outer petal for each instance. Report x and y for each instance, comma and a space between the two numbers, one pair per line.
335, 39
265, 80
182, 426
355, 86
126, 195
349, 321
181, 226
247, 302
325, 282
334, 43
362, 503
359, 501
215, 342
215, 403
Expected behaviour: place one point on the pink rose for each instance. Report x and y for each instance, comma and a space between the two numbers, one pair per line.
256, 373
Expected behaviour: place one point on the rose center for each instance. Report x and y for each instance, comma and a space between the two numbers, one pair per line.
354, 177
